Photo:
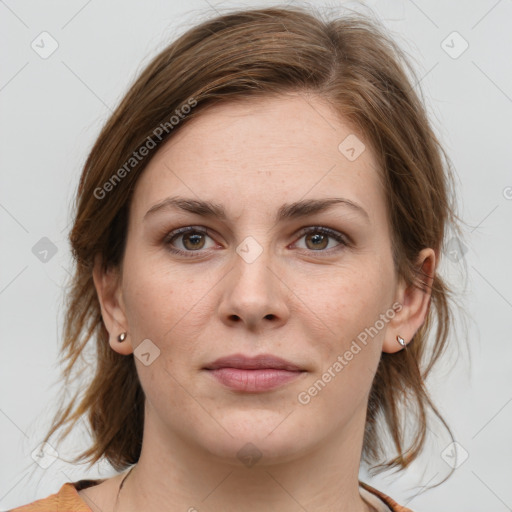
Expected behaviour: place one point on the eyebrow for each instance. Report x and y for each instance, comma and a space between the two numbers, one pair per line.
288, 211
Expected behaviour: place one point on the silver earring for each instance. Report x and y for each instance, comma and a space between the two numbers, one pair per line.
400, 340
121, 337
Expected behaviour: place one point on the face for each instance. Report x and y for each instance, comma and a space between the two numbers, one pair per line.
300, 284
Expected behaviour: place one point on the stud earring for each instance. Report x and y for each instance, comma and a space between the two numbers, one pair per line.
400, 340
121, 337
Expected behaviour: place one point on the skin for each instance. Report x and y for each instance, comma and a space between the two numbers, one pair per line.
295, 300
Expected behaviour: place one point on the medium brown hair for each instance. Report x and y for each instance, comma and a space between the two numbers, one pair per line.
348, 61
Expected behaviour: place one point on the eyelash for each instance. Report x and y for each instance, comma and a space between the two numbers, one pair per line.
339, 237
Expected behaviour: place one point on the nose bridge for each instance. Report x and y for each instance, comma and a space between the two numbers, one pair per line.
252, 275
252, 270
254, 293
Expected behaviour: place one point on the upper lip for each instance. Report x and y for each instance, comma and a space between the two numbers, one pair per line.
252, 363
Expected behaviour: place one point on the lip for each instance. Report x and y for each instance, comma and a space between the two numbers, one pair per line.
263, 361
253, 374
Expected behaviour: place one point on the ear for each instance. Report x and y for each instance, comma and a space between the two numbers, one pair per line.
414, 301
108, 288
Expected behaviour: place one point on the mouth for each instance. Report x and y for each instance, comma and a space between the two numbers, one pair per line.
253, 374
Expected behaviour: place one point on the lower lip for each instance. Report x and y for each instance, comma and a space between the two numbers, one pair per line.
254, 380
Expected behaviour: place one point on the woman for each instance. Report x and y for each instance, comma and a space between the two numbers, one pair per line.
257, 235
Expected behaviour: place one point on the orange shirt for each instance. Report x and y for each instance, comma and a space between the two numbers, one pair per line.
68, 499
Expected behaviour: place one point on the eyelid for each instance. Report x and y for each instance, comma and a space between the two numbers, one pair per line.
176, 233
342, 239
186, 229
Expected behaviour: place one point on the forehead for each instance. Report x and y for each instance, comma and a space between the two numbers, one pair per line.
263, 152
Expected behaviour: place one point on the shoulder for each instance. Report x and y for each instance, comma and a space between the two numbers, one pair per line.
66, 499
390, 502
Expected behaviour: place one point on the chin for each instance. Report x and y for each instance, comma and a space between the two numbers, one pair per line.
257, 439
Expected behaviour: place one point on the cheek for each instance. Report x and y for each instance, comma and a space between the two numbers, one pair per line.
351, 300
164, 303
348, 342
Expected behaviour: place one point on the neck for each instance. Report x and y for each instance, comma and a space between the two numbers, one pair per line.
173, 474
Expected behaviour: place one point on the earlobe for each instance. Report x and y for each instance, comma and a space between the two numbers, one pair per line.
107, 284
414, 300
119, 344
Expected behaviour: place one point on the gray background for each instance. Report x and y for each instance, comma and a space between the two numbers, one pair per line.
52, 110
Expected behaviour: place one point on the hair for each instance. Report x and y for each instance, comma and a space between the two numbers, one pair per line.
349, 62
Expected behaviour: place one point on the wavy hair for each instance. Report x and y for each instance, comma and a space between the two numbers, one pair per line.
349, 61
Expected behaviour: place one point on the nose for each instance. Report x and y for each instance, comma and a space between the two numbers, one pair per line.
254, 295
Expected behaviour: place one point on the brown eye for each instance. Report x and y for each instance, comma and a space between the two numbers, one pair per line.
193, 241
186, 241
318, 238
316, 241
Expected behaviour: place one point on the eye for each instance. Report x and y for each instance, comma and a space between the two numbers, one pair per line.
317, 239
192, 239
